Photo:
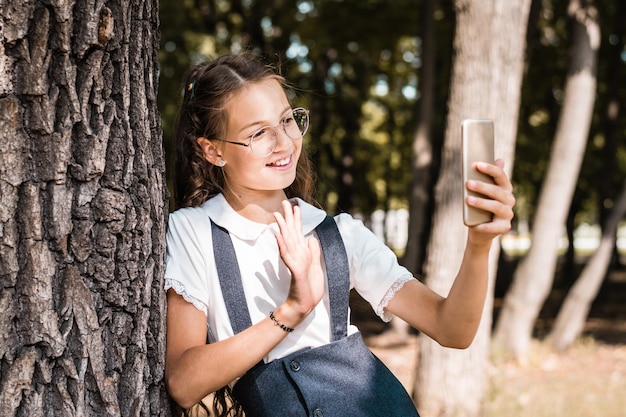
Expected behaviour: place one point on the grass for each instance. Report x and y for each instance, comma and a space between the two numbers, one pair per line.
588, 380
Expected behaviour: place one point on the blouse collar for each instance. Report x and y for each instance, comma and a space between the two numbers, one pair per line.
218, 209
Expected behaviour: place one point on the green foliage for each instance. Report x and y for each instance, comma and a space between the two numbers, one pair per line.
356, 65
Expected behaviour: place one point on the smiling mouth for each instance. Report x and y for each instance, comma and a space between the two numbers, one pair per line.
280, 162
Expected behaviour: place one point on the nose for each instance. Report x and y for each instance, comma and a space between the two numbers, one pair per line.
282, 139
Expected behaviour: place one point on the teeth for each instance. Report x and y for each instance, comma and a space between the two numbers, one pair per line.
282, 162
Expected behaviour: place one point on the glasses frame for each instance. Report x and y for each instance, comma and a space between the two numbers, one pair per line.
274, 129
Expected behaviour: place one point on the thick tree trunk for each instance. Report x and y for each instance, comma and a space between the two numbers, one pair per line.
486, 83
83, 212
534, 276
571, 319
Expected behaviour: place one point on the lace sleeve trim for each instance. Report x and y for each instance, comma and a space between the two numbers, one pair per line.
391, 292
179, 288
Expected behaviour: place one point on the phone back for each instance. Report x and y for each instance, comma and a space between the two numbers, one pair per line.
477, 139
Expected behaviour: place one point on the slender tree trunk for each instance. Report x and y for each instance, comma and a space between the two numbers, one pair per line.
571, 319
82, 220
612, 126
422, 155
534, 276
486, 83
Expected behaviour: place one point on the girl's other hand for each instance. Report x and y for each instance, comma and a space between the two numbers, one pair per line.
303, 258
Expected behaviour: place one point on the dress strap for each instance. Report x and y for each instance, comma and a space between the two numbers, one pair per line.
337, 271
230, 279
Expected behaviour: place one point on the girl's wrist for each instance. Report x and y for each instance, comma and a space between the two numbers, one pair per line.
287, 316
279, 324
478, 248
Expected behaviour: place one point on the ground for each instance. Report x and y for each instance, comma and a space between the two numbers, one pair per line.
587, 380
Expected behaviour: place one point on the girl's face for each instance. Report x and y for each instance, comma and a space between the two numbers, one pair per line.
259, 105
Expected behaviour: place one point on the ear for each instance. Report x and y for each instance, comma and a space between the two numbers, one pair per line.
211, 152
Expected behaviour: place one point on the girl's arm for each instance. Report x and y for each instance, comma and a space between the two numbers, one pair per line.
453, 321
194, 369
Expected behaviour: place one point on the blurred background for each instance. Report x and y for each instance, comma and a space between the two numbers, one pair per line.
377, 77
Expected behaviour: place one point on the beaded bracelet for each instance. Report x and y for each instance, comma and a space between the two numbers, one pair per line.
279, 324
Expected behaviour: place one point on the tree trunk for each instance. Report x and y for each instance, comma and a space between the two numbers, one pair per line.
534, 276
612, 125
486, 83
82, 220
422, 155
421, 158
571, 319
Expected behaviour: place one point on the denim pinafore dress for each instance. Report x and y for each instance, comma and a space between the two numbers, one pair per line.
340, 379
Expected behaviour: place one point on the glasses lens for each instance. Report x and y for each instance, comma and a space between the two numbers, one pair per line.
263, 141
301, 117
296, 124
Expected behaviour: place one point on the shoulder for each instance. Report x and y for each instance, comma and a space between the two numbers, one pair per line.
350, 226
187, 218
194, 215
188, 224
185, 214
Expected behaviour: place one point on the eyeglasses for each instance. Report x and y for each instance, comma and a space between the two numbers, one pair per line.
263, 141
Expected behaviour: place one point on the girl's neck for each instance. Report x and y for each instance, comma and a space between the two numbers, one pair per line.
259, 206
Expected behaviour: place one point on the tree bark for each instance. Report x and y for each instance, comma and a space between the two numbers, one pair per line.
571, 319
82, 220
534, 276
486, 83
422, 150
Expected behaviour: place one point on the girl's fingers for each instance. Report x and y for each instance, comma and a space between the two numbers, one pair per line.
492, 192
288, 212
500, 210
314, 247
290, 223
501, 190
496, 198
496, 171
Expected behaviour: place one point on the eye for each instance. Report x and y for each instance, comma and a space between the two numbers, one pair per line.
259, 134
288, 120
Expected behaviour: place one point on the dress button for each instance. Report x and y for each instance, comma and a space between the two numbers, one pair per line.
295, 366
318, 413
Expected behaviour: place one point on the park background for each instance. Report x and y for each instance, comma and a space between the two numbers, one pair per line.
378, 77
88, 97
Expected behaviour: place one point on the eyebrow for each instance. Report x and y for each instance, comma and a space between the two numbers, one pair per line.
285, 110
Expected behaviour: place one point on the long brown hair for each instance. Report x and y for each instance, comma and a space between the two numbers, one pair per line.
207, 88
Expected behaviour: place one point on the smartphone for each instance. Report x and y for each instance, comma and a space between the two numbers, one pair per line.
477, 145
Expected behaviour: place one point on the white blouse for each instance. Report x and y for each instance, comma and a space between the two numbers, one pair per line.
190, 271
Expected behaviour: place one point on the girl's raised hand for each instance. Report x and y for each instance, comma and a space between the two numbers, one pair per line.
499, 200
303, 258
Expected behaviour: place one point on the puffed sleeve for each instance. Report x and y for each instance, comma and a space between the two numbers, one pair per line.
188, 239
374, 269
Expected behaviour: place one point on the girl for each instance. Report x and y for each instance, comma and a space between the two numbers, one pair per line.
258, 278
